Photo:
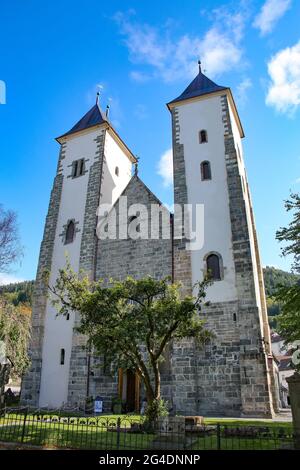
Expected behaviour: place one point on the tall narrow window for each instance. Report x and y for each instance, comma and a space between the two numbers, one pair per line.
117, 171
213, 267
81, 167
205, 171
75, 169
70, 232
62, 357
202, 136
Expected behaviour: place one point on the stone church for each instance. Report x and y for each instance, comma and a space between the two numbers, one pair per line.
232, 375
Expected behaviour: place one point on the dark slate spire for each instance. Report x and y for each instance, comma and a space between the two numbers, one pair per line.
92, 118
201, 85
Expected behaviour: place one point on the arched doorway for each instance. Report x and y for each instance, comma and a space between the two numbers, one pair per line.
129, 390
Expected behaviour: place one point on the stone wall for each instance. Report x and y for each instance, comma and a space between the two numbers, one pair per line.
136, 258
254, 373
78, 376
31, 381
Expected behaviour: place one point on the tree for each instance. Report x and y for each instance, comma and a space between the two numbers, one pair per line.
291, 234
14, 336
131, 322
289, 296
10, 250
15, 333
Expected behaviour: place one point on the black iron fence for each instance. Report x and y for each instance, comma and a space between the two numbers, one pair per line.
41, 428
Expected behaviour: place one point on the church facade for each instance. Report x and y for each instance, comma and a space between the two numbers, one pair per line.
233, 374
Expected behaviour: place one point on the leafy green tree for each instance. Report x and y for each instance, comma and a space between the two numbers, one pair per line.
291, 234
14, 335
132, 322
289, 296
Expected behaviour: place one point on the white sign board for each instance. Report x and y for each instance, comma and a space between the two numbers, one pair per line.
98, 405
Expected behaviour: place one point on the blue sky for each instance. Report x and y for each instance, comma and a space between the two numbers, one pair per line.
54, 56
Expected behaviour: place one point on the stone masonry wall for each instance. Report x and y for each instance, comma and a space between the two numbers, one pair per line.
254, 372
136, 258
31, 381
183, 353
78, 386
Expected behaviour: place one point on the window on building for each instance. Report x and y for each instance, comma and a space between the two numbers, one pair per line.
81, 166
68, 316
202, 136
234, 317
70, 232
62, 357
78, 168
205, 171
213, 267
117, 171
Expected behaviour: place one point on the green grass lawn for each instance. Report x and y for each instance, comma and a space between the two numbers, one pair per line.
101, 433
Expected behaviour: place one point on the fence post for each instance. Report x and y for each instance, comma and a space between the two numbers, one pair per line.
218, 437
24, 424
118, 432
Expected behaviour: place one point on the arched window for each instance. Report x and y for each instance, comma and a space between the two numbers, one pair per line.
202, 137
205, 171
117, 171
70, 232
213, 267
131, 219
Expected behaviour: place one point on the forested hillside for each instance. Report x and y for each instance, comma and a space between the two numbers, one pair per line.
274, 277
18, 293
21, 293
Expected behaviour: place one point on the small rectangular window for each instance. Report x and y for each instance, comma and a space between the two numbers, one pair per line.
78, 168
62, 357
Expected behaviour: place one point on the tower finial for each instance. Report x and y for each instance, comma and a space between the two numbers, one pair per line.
97, 97
136, 169
199, 63
107, 110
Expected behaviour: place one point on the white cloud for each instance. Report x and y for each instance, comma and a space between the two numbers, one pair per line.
8, 279
269, 15
165, 167
139, 76
171, 58
284, 88
242, 89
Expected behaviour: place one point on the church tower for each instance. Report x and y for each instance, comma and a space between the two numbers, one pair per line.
94, 166
234, 374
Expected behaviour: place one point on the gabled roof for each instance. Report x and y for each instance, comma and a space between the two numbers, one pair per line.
93, 117
201, 85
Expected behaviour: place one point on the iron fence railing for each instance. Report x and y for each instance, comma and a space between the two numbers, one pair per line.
42, 428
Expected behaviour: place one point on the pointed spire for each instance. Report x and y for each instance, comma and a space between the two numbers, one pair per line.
201, 85
97, 98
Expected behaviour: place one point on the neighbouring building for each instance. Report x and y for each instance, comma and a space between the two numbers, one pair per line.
283, 355
234, 374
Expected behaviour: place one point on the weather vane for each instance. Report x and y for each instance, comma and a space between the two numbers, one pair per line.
136, 165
